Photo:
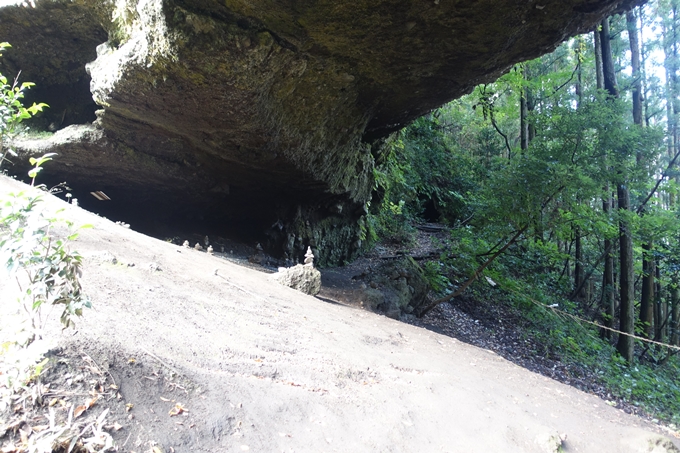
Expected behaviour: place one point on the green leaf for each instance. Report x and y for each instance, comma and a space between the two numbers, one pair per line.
35, 108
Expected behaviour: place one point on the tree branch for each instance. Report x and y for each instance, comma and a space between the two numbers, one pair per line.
658, 183
505, 137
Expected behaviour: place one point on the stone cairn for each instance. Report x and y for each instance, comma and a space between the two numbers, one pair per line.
301, 277
309, 257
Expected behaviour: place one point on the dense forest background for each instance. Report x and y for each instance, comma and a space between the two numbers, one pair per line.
560, 183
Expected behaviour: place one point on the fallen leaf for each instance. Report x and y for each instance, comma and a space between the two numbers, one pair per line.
132, 361
178, 409
79, 411
53, 401
165, 399
156, 450
92, 401
113, 386
128, 407
24, 434
39, 428
117, 426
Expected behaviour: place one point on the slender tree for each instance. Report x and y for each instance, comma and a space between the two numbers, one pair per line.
648, 265
524, 112
579, 271
608, 291
627, 279
670, 48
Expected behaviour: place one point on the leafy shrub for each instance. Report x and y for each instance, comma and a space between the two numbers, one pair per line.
46, 270
12, 111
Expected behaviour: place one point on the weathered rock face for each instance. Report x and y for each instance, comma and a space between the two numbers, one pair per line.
258, 116
397, 287
300, 277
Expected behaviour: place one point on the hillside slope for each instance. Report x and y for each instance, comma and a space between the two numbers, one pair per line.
259, 367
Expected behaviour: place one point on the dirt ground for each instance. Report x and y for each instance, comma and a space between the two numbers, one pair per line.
190, 352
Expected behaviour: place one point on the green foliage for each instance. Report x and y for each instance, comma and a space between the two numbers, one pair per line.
390, 224
37, 165
47, 272
433, 274
12, 110
465, 159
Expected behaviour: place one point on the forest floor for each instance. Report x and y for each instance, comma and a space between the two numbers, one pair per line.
184, 351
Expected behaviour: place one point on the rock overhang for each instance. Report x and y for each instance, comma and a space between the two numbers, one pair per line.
261, 114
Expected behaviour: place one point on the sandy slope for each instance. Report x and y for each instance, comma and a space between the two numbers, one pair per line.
262, 368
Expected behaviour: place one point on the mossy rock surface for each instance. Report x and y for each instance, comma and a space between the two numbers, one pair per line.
261, 116
396, 287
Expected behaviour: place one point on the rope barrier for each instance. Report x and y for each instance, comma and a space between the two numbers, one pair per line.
600, 326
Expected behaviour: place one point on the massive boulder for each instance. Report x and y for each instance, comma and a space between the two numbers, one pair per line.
262, 118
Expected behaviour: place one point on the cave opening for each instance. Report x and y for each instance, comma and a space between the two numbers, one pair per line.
430, 212
69, 104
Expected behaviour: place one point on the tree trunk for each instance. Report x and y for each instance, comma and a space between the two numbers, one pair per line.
670, 48
631, 24
625, 344
531, 104
648, 270
647, 318
599, 72
660, 310
579, 272
524, 115
608, 72
627, 280
675, 313
608, 289
643, 68
608, 293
